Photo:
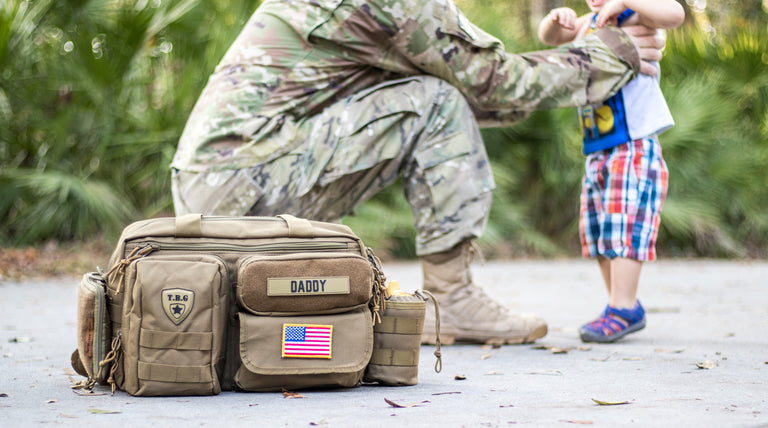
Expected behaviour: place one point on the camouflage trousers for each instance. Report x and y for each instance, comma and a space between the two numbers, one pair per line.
420, 128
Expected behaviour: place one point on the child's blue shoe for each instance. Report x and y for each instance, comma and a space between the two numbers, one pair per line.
614, 324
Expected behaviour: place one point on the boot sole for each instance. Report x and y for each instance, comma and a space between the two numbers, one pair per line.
449, 338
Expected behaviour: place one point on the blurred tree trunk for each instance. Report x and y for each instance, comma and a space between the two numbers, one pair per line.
539, 8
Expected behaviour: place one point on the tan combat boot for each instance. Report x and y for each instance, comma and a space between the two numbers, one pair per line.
467, 314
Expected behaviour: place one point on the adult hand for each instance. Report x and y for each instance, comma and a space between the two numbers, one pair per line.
649, 43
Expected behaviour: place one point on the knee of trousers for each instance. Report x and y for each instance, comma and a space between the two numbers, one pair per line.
230, 192
449, 168
449, 181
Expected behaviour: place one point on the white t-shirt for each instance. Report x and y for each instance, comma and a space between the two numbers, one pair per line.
637, 111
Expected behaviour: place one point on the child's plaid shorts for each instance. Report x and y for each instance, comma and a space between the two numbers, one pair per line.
622, 193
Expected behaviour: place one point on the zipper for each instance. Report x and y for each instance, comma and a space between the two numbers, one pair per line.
140, 249
263, 248
98, 287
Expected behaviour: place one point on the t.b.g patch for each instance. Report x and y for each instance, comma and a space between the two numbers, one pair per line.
177, 303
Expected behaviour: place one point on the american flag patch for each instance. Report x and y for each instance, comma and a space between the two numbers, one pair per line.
307, 341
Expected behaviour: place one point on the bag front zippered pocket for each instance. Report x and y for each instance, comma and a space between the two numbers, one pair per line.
282, 353
304, 282
174, 325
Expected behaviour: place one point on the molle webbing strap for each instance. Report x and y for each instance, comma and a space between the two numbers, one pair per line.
176, 374
396, 325
395, 357
176, 340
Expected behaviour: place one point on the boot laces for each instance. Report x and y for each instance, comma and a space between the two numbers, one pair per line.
474, 301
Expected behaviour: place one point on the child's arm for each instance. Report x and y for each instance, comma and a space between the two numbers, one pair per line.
663, 14
561, 25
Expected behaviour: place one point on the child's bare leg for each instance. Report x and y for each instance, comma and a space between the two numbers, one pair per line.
624, 314
605, 270
624, 277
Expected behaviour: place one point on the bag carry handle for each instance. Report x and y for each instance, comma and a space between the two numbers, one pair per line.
189, 226
298, 227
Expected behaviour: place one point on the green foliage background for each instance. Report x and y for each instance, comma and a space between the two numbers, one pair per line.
95, 93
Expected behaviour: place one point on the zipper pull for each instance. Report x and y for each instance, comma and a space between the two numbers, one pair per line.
380, 293
117, 272
112, 359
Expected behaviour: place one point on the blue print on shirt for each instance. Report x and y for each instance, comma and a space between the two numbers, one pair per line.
605, 125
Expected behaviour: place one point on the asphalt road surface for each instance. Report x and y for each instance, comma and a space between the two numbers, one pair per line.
701, 361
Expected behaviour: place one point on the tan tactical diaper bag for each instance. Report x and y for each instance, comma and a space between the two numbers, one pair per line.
193, 305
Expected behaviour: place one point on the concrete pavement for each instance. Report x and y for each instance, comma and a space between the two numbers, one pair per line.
701, 361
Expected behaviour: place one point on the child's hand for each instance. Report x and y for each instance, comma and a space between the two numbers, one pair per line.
564, 17
609, 12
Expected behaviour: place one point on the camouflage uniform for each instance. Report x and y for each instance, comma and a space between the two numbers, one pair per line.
319, 104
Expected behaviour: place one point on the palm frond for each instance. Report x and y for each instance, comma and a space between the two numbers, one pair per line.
59, 205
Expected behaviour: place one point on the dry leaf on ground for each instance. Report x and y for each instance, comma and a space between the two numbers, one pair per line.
553, 349
88, 392
609, 403
291, 394
547, 372
403, 406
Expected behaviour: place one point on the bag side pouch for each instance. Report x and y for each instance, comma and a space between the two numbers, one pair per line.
397, 341
306, 282
174, 325
93, 332
276, 351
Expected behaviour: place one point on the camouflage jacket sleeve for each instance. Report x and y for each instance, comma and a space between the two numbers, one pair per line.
434, 37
